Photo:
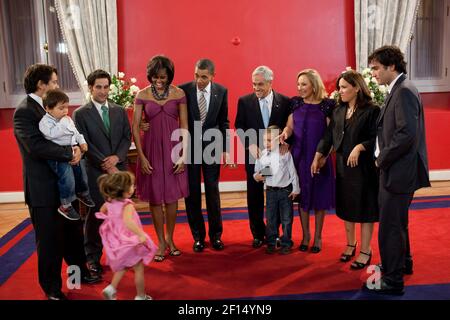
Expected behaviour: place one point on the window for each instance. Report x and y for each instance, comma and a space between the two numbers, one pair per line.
429, 51
30, 34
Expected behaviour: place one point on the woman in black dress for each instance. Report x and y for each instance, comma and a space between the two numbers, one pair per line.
352, 133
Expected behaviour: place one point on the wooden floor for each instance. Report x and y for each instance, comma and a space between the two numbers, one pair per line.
11, 214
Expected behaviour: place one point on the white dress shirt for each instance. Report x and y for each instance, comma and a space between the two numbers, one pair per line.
207, 93
99, 107
282, 168
37, 99
389, 89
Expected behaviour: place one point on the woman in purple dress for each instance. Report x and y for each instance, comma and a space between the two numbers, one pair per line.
310, 116
160, 173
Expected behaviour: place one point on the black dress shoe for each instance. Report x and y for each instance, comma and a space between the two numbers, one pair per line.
95, 268
384, 288
257, 243
271, 249
57, 296
218, 244
91, 278
278, 243
198, 246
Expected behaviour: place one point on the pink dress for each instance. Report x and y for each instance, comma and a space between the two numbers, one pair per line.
121, 245
162, 186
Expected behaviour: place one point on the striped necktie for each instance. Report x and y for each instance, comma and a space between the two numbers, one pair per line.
202, 106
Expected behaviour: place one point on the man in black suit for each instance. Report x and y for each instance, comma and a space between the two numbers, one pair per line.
56, 237
256, 112
207, 103
402, 161
106, 128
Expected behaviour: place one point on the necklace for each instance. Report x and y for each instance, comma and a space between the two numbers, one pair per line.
351, 111
158, 96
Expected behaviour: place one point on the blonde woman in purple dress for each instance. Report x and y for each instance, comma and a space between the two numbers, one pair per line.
161, 180
311, 112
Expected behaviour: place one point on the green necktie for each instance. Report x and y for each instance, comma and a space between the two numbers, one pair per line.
105, 117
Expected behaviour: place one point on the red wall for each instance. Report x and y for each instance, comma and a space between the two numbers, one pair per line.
287, 35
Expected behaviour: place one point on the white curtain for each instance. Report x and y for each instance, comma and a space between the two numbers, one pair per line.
383, 22
90, 31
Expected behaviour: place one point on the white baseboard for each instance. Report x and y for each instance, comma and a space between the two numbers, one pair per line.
230, 186
12, 197
439, 175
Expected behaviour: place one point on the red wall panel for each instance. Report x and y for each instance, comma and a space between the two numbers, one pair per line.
287, 36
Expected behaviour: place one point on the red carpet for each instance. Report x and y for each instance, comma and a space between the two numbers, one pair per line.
243, 272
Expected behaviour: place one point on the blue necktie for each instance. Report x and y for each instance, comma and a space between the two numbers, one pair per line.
265, 113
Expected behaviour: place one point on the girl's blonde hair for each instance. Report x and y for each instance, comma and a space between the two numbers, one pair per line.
319, 92
113, 186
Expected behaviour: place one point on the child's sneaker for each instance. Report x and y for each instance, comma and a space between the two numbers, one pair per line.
109, 293
86, 200
69, 213
146, 297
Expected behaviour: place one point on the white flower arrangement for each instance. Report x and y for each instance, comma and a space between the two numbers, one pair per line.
377, 92
123, 91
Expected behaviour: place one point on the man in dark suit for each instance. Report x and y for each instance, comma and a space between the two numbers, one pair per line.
401, 157
256, 112
106, 128
56, 237
207, 103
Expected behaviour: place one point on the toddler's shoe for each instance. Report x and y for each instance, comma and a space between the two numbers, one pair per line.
69, 213
109, 293
86, 200
146, 297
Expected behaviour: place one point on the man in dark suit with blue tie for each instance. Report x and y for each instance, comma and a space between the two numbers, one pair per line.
207, 103
106, 128
401, 157
256, 112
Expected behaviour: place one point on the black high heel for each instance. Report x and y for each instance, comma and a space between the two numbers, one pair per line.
303, 247
348, 257
356, 265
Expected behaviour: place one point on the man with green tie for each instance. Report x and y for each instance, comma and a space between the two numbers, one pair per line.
106, 128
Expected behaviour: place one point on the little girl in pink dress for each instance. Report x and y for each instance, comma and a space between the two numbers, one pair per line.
124, 241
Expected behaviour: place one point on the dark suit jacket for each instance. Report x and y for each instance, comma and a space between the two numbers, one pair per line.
249, 115
217, 116
39, 181
89, 122
401, 136
364, 131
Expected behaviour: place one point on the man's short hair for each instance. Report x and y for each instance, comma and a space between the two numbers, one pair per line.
53, 97
265, 71
388, 56
206, 64
35, 73
98, 74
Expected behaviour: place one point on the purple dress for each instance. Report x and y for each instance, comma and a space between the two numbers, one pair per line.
162, 186
316, 193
